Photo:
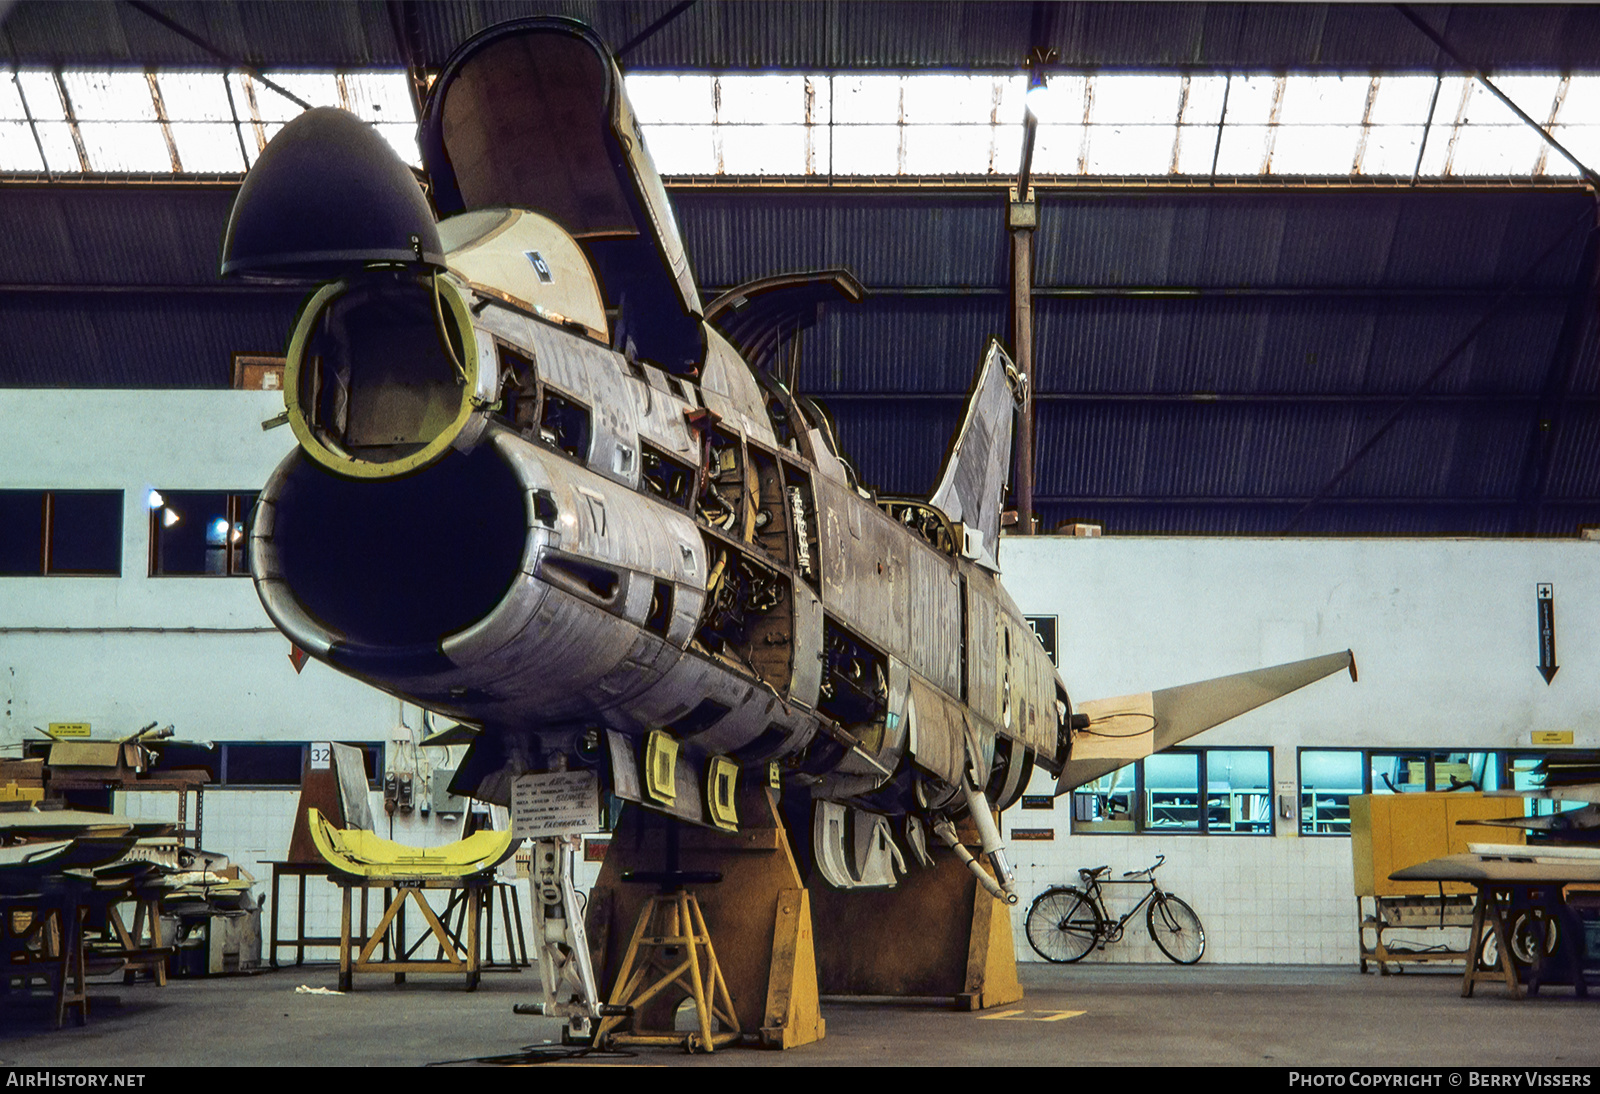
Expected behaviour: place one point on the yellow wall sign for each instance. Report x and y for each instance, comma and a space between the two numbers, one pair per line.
1552, 736
69, 729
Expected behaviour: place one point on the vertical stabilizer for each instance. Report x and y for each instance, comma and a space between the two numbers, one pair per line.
972, 485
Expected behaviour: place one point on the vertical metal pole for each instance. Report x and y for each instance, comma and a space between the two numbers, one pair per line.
1022, 218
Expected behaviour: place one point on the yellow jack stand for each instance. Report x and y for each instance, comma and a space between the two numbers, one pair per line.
761, 911
670, 938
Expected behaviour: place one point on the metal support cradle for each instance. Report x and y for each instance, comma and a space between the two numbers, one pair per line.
670, 940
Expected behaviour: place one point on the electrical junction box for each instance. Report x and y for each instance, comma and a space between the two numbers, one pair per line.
443, 800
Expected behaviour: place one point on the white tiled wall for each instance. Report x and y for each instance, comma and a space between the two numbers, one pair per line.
1262, 899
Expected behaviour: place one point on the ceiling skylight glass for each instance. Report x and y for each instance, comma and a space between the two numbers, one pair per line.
1090, 124
1099, 125
123, 121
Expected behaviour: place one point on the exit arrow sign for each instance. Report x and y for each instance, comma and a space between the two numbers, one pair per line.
1547, 631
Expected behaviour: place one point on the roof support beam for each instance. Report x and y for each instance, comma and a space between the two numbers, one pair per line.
1022, 217
1476, 73
194, 39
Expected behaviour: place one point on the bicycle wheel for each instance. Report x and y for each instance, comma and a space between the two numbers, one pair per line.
1063, 925
1176, 929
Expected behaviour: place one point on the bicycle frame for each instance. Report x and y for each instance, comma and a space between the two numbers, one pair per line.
1092, 889
1065, 923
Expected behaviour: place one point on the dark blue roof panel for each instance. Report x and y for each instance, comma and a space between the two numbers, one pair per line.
1205, 362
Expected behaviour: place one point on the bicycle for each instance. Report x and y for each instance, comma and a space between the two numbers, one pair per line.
1065, 923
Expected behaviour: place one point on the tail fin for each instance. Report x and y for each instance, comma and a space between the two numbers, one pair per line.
972, 485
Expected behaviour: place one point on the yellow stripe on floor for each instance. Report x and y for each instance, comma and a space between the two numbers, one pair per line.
1043, 1016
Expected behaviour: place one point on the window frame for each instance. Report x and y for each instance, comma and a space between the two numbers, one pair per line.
238, 512
1499, 765
1204, 826
48, 531
1364, 764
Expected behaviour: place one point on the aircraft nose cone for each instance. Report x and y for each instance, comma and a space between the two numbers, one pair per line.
328, 196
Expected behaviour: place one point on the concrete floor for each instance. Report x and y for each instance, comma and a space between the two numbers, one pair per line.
1274, 1016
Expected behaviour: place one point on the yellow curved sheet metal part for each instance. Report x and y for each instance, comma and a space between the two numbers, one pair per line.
363, 854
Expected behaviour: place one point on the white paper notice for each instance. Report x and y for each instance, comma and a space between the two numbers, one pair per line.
555, 803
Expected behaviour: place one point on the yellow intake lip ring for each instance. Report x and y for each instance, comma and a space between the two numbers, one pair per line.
315, 444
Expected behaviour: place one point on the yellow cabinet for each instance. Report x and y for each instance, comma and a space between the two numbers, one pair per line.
1389, 832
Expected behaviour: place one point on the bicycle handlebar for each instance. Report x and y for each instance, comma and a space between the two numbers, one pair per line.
1148, 870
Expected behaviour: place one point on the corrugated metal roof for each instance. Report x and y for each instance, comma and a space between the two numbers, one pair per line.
1333, 300
897, 448
1164, 518
136, 341
939, 239
889, 345
1337, 345
1388, 239
112, 235
820, 35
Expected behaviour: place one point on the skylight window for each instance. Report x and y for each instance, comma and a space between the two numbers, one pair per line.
123, 121
1090, 124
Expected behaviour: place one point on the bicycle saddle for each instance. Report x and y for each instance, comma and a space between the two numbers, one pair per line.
1090, 875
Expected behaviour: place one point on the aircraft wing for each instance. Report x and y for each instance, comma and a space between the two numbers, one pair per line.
1573, 821
1507, 864
1585, 792
973, 481
1131, 727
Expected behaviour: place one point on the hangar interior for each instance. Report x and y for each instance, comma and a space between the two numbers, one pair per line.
1304, 404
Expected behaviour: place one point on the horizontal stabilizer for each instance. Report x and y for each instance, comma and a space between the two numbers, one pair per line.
1131, 727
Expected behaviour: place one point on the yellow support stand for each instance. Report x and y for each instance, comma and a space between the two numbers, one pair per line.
760, 910
671, 939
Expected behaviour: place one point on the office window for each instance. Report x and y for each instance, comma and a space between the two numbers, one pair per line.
1238, 791
60, 532
1466, 770
1419, 770
1398, 772
1108, 804
1172, 792
1329, 778
1530, 771
200, 532
1217, 791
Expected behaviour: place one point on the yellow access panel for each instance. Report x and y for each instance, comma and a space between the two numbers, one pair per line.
1389, 832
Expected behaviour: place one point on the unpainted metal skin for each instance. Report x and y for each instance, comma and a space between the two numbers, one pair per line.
538, 492
503, 510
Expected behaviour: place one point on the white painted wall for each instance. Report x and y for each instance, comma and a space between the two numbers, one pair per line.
196, 652
118, 653
1445, 639
1443, 632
